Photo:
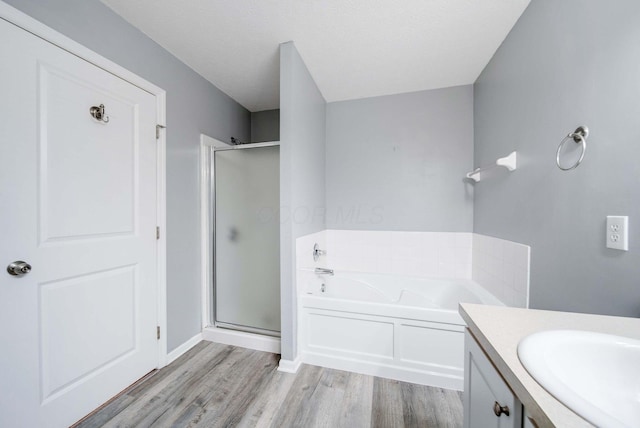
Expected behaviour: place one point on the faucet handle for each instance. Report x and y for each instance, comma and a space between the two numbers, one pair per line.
317, 252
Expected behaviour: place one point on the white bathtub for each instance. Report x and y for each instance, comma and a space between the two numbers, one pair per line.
403, 328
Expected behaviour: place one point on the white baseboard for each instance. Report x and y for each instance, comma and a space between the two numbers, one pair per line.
242, 339
176, 353
289, 366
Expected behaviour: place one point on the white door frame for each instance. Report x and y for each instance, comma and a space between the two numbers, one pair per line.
206, 230
31, 25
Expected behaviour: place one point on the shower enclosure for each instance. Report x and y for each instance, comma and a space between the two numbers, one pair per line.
246, 237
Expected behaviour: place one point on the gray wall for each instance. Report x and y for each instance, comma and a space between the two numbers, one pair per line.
194, 106
397, 162
566, 63
265, 126
302, 176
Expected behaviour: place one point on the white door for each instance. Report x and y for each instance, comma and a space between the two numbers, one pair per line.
78, 203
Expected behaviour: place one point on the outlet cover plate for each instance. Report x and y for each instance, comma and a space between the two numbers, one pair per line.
617, 235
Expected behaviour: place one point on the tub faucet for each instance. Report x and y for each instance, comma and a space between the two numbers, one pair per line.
323, 271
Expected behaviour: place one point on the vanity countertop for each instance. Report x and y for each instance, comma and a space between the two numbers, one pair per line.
499, 330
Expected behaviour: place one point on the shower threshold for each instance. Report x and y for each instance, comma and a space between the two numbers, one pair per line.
233, 335
247, 329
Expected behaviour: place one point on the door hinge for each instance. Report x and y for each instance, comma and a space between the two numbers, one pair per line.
157, 232
158, 332
158, 128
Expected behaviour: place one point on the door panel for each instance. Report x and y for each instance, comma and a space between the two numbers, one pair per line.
79, 308
77, 202
67, 159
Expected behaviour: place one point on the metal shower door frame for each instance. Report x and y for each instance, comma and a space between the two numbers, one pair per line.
212, 243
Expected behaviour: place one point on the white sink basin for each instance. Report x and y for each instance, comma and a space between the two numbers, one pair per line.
595, 375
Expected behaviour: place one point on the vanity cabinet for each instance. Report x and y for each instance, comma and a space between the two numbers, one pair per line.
488, 401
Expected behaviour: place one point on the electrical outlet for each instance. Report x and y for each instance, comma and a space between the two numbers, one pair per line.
618, 232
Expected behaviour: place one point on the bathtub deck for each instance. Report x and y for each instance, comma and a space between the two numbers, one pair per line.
216, 385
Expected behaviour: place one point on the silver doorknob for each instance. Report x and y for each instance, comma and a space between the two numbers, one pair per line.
500, 410
19, 268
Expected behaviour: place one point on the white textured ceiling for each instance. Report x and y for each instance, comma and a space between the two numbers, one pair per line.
353, 48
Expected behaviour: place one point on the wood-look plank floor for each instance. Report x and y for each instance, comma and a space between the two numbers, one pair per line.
216, 385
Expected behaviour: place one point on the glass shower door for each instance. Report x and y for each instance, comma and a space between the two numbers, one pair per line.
247, 239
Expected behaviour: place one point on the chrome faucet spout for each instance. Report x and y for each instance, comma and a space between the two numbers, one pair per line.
323, 271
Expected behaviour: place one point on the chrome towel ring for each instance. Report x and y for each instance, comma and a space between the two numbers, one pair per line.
579, 136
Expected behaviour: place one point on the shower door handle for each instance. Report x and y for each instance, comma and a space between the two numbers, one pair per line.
233, 234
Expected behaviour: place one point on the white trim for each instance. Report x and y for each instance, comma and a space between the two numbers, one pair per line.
288, 366
205, 140
245, 146
161, 220
31, 25
205, 232
243, 339
180, 350
206, 251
